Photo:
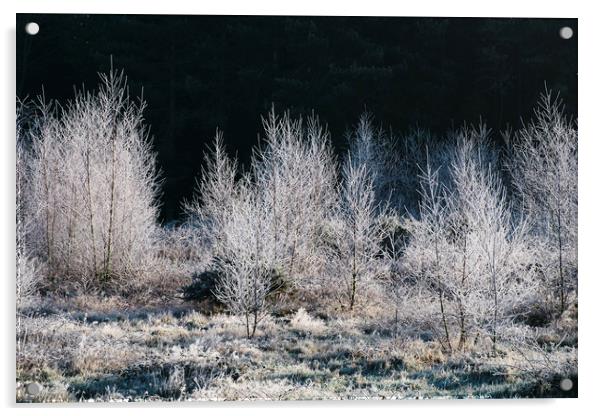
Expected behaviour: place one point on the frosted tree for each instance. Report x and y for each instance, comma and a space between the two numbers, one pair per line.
244, 259
490, 250
266, 227
465, 246
27, 268
427, 255
92, 199
380, 153
230, 215
214, 194
543, 165
359, 226
294, 175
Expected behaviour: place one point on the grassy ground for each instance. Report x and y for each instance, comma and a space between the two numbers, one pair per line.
183, 355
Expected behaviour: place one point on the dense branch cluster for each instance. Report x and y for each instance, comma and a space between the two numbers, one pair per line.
89, 187
469, 244
459, 235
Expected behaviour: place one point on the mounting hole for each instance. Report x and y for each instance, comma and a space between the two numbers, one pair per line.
32, 28
566, 32
34, 389
566, 384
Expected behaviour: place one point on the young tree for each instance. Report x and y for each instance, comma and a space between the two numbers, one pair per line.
244, 259
359, 229
294, 175
467, 157
428, 252
543, 165
266, 228
465, 246
92, 199
27, 268
489, 244
214, 194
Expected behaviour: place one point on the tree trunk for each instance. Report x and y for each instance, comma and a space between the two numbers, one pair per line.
462, 339
107, 268
255, 318
441, 305
91, 215
495, 300
354, 269
560, 266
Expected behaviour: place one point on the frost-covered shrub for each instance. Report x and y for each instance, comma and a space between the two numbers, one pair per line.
91, 197
543, 165
265, 226
465, 246
304, 322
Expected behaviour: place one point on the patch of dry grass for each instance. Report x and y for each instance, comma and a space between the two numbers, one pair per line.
185, 355
305, 323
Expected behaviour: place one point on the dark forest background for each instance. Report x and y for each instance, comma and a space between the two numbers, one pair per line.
204, 72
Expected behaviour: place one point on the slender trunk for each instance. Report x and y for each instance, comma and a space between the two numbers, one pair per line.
495, 298
69, 240
293, 252
275, 213
495, 322
354, 269
70, 226
107, 268
560, 265
353, 289
53, 211
91, 214
49, 241
441, 305
462, 339
292, 262
559, 236
255, 304
255, 319
443, 318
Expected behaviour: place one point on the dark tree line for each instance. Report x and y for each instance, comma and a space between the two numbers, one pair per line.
200, 72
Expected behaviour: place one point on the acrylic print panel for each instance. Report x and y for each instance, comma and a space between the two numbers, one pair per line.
288, 208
